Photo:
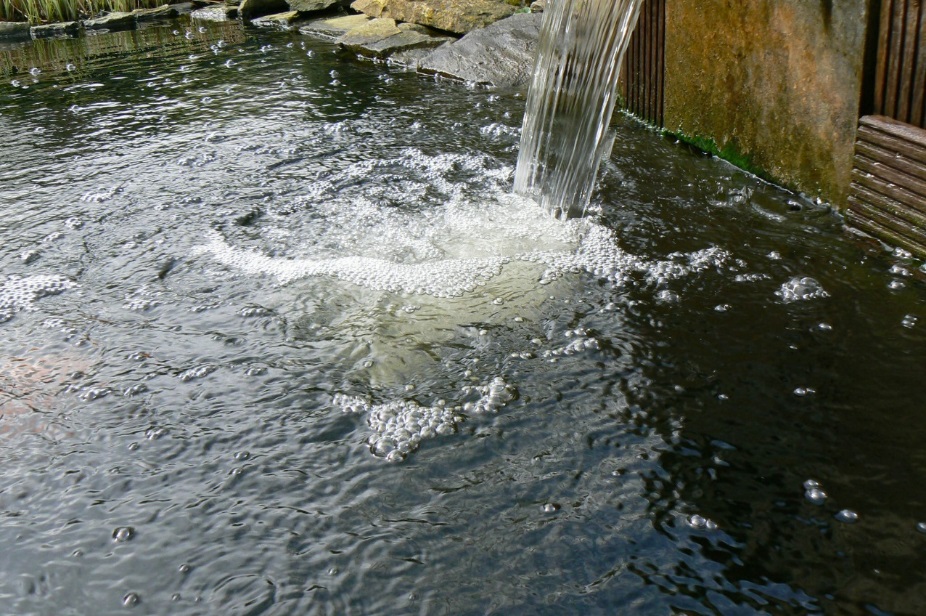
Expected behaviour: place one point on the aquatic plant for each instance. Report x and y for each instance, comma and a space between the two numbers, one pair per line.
39, 11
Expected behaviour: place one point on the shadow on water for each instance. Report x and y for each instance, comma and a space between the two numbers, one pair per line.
171, 429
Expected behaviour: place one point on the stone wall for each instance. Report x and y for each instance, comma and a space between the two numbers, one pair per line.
774, 85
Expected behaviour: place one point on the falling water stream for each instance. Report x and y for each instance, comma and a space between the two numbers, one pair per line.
276, 338
571, 101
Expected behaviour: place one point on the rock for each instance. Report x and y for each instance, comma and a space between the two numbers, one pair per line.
165, 11
500, 55
278, 20
64, 29
14, 30
334, 27
457, 16
381, 37
215, 13
537, 6
373, 8
114, 21
183, 8
312, 6
255, 8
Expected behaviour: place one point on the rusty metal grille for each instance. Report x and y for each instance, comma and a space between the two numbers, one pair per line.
644, 64
900, 80
887, 197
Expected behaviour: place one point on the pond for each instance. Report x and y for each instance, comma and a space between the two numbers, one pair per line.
277, 339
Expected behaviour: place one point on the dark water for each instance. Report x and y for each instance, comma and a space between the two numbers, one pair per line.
213, 337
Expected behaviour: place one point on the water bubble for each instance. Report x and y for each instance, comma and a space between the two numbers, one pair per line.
825, 327
73, 223
815, 496
131, 600
35, 71
722, 307
847, 516
909, 321
801, 288
184, 568
804, 391
921, 527
133, 446
242, 455
896, 284
123, 534
551, 507
699, 522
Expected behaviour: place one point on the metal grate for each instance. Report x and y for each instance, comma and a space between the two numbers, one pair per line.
887, 197
900, 79
644, 64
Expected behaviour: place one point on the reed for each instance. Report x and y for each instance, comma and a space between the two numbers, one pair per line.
44, 11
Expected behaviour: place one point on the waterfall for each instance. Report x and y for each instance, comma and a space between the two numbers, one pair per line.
571, 99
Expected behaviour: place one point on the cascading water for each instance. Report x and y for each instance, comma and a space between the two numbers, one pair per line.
571, 100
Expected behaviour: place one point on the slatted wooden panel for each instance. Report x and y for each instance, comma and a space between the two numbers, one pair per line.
644, 64
900, 81
888, 191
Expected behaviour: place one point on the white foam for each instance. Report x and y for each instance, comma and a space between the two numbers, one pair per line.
19, 293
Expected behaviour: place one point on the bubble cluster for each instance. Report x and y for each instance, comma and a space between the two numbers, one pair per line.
19, 293
197, 373
801, 288
399, 426
813, 493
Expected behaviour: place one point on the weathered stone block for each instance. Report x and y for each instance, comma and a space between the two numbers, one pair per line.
113, 22
249, 9
164, 11
457, 16
499, 55
776, 83
56, 30
14, 30
334, 27
382, 37
312, 6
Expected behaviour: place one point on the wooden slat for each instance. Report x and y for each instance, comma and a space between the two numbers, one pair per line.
895, 192
644, 64
893, 144
884, 41
894, 51
907, 60
885, 233
884, 203
893, 160
918, 109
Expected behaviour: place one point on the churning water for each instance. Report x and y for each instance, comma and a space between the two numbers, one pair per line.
571, 101
277, 339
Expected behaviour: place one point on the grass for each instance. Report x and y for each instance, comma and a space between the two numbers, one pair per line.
44, 11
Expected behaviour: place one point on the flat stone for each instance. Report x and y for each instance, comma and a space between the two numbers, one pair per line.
14, 30
114, 21
249, 9
312, 6
183, 8
381, 37
334, 27
164, 11
373, 8
500, 55
278, 20
214, 13
456, 16
65, 29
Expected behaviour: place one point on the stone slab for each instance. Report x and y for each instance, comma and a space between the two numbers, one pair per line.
278, 20
12, 30
312, 6
334, 27
382, 37
248, 9
500, 55
456, 16
66, 29
112, 22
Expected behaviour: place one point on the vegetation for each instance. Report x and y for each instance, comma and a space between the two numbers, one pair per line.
41, 11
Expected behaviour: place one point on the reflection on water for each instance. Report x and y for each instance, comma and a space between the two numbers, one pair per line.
204, 375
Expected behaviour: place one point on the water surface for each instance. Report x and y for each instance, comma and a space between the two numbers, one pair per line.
277, 339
